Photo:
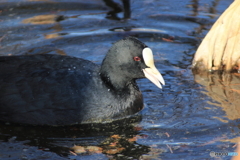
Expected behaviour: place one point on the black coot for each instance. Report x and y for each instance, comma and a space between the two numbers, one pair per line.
63, 90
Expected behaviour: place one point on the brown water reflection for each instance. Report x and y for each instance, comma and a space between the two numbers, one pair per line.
41, 19
223, 88
115, 144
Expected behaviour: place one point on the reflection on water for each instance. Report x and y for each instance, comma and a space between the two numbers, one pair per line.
114, 146
43, 19
117, 8
224, 88
116, 139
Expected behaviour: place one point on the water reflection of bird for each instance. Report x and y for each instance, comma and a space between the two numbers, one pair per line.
62, 90
116, 8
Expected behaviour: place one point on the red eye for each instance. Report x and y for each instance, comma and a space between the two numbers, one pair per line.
137, 58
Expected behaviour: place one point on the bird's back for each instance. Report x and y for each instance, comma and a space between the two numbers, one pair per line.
44, 89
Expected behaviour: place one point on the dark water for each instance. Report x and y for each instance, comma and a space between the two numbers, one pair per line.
193, 115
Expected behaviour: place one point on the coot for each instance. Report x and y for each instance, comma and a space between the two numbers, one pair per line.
63, 90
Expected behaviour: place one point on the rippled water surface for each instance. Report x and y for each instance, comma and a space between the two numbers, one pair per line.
191, 116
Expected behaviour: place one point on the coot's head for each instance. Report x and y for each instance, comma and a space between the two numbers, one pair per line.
127, 60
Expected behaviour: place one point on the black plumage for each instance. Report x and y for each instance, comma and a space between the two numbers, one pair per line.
63, 90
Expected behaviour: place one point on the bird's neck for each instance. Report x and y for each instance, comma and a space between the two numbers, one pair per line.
112, 81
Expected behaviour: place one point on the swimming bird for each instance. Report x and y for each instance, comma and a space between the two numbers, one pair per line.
46, 89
